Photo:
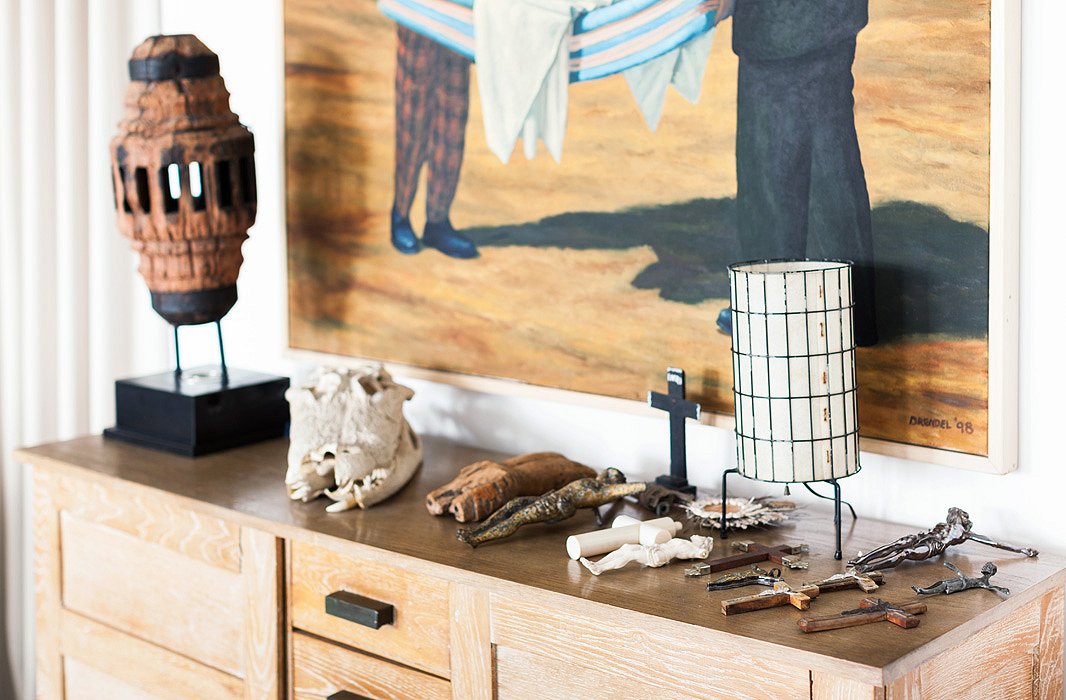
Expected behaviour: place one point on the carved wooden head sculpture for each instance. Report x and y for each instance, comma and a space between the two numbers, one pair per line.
184, 174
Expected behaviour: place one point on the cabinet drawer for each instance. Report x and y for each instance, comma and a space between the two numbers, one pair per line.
154, 593
99, 662
322, 670
418, 632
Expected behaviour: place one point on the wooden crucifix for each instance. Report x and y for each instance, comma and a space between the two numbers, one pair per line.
870, 610
753, 553
780, 595
674, 403
849, 580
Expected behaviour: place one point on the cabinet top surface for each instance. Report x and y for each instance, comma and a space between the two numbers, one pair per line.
249, 483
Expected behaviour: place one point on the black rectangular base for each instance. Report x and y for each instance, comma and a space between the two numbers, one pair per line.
196, 414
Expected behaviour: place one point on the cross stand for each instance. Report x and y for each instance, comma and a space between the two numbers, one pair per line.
780, 595
674, 403
838, 554
870, 610
753, 553
221, 355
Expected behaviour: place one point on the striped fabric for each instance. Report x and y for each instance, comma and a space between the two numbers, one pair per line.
606, 41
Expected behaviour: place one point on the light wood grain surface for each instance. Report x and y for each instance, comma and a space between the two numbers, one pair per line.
418, 635
153, 593
130, 667
321, 669
246, 486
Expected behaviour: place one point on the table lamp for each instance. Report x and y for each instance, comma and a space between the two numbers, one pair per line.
794, 384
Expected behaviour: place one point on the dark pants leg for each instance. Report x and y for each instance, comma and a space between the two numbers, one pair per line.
432, 102
801, 188
447, 134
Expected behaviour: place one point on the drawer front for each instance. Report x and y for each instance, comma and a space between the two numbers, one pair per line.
323, 670
410, 611
99, 662
522, 675
153, 593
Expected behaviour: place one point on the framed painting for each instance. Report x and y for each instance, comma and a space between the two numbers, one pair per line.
543, 198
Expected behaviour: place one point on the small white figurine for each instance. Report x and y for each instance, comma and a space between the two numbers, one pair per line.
655, 555
349, 438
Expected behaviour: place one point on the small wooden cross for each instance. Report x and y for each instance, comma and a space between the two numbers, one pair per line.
674, 403
781, 594
753, 553
870, 610
850, 579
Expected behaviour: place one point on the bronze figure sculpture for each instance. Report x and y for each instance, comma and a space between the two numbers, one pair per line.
484, 487
929, 543
961, 582
552, 507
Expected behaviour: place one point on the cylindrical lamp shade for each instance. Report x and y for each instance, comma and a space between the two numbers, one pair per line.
794, 386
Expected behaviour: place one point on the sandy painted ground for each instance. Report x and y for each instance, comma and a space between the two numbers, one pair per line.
571, 318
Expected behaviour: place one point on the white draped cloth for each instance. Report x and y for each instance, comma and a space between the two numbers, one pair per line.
522, 50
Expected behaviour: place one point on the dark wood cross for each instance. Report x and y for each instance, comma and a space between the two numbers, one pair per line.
753, 553
674, 403
780, 595
870, 610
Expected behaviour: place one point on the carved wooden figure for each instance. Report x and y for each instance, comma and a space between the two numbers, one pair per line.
482, 488
184, 174
870, 610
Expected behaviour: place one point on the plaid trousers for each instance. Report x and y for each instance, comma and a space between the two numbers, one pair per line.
432, 103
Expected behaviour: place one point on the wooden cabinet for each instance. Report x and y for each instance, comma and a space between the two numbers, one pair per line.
162, 577
138, 596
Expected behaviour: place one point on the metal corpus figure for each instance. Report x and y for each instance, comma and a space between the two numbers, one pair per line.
930, 543
961, 582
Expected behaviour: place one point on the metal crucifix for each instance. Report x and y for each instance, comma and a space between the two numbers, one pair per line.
680, 409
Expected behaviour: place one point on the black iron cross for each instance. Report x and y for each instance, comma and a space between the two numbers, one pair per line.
679, 409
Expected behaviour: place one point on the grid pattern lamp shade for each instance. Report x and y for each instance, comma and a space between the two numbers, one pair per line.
794, 370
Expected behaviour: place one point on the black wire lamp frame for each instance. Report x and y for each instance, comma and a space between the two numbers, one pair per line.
807, 386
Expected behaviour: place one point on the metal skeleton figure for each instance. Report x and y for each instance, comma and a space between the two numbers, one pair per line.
961, 582
930, 543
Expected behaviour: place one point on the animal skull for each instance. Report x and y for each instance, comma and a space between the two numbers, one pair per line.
349, 439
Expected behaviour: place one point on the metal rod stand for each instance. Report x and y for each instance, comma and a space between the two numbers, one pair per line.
177, 354
836, 516
724, 529
222, 354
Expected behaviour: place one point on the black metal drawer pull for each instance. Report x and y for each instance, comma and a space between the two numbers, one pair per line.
345, 695
359, 609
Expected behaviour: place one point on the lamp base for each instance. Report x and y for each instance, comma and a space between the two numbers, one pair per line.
838, 554
199, 411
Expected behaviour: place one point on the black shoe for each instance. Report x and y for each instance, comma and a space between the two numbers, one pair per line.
441, 235
725, 321
404, 238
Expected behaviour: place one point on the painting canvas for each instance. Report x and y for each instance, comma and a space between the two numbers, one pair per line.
560, 211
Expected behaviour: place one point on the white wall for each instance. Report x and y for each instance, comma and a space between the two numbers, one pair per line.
1023, 507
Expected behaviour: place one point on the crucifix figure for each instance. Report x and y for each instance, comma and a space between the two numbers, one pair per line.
869, 610
753, 553
849, 580
674, 403
962, 582
780, 595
